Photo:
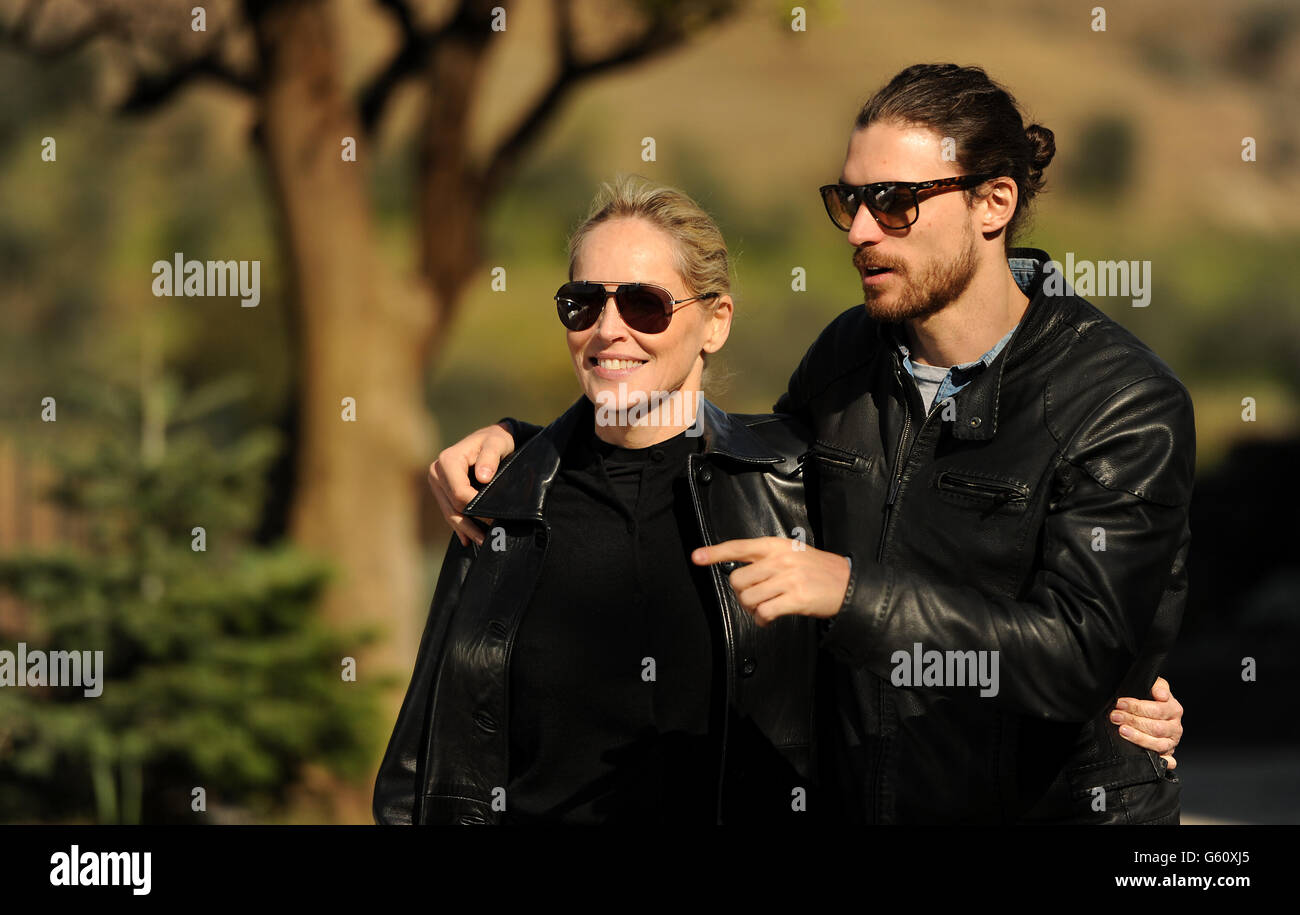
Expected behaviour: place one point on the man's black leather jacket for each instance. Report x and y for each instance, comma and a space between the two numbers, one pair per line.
1044, 519
447, 758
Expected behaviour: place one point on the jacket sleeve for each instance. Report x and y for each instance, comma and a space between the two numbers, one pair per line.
520, 431
1084, 619
398, 785
795, 401
837, 349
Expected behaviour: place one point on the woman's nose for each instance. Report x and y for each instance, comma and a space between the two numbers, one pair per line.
610, 323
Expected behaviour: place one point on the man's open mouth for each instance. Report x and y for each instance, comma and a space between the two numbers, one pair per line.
875, 271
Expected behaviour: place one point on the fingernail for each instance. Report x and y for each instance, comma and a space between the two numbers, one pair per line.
1122, 704
1126, 731
698, 556
1117, 717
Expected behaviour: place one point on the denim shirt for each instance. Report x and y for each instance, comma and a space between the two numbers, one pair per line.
1022, 268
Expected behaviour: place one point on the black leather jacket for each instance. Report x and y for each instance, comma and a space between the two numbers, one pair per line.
447, 758
1046, 521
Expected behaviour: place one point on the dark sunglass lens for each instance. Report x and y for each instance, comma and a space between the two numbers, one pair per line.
841, 205
572, 315
579, 304
644, 308
893, 204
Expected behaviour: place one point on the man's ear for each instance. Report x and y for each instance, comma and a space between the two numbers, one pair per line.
998, 204
719, 323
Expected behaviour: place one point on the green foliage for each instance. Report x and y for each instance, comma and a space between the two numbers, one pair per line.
216, 672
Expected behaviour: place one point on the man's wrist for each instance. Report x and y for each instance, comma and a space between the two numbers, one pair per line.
851, 633
848, 589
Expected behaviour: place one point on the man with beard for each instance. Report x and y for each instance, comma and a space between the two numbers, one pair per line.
1001, 478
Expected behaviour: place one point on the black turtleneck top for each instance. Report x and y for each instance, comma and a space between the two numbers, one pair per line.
616, 669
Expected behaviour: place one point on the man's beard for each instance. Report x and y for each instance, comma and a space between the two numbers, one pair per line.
921, 295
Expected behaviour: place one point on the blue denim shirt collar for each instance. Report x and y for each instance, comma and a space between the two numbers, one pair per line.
1022, 269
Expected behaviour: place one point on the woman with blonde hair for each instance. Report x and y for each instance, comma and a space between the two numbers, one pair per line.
576, 667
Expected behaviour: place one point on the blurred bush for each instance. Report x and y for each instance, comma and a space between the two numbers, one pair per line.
216, 670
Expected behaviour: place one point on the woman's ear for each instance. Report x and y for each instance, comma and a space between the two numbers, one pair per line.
719, 325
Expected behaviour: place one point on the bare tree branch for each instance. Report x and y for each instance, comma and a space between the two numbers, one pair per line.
23, 34
666, 30
412, 55
402, 13
128, 25
408, 61
151, 90
562, 17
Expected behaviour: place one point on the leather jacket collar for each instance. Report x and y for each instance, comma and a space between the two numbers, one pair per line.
977, 408
518, 491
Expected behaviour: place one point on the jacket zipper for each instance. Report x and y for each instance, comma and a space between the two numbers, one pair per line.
895, 485
1000, 494
855, 463
896, 482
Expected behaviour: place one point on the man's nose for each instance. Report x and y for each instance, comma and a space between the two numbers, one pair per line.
865, 228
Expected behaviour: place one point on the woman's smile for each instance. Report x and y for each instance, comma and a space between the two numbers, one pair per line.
612, 368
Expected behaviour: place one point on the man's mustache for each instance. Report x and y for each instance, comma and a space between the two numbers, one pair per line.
863, 259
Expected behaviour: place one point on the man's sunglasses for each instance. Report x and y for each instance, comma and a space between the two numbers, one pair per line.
644, 307
894, 204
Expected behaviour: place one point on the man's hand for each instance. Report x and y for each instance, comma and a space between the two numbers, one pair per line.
783, 576
449, 475
1155, 725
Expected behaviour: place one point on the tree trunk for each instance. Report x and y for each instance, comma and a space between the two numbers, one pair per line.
362, 334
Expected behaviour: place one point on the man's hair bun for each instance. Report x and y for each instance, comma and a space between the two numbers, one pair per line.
1042, 144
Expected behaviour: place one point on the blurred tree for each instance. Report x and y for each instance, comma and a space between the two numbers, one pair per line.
1107, 157
1263, 32
217, 672
364, 332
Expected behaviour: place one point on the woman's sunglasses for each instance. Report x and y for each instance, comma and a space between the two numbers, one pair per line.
644, 307
894, 204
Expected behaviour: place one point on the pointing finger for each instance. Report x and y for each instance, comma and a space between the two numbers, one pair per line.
750, 550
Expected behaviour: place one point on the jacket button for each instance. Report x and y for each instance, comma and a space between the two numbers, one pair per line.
975, 422
485, 721
657, 455
704, 474
747, 667
539, 538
